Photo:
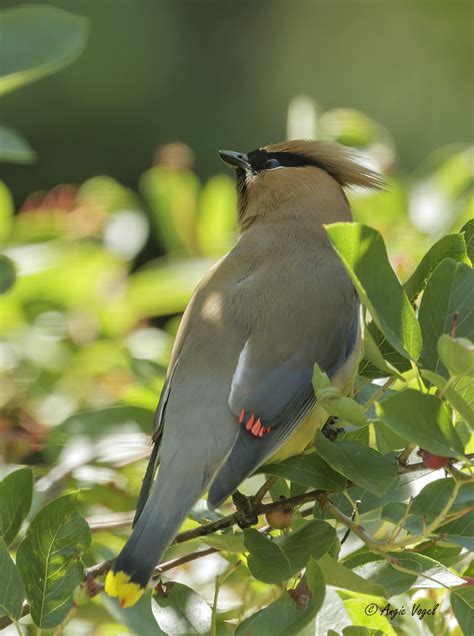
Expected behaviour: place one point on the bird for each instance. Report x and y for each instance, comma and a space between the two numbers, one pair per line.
238, 390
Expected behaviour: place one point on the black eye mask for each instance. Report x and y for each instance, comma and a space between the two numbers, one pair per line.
262, 160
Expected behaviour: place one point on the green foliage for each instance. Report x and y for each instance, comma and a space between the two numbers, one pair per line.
48, 559
181, 611
285, 616
277, 560
361, 248
36, 41
16, 491
86, 334
447, 305
434, 430
308, 470
12, 589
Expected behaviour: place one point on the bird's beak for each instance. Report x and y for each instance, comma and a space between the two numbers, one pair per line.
234, 159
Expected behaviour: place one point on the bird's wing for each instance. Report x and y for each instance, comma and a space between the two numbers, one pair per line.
158, 424
271, 399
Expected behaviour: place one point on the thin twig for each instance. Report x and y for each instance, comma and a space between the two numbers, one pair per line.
262, 491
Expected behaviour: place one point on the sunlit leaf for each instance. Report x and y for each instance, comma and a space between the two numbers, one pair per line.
363, 252
173, 197
48, 559
452, 395
457, 355
16, 491
7, 212
468, 232
216, 226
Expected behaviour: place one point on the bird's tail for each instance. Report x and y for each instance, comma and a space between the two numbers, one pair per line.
156, 527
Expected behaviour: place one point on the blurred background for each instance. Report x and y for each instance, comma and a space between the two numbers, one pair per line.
113, 202
220, 74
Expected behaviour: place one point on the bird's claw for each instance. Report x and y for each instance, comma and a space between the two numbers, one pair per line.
245, 515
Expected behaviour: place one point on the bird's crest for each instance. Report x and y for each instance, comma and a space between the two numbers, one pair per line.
341, 162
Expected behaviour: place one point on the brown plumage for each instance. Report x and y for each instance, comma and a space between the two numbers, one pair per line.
324, 168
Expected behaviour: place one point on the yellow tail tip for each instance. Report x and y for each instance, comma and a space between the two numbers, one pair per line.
119, 584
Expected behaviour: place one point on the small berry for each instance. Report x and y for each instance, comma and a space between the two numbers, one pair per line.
280, 519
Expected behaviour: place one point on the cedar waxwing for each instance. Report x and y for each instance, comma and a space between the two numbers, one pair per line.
239, 391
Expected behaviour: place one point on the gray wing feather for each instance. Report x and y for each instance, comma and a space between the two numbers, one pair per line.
285, 396
158, 424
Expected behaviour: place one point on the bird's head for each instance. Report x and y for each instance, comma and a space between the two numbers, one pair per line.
295, 176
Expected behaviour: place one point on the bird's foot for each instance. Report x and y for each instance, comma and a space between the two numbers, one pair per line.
245, 514
330, 432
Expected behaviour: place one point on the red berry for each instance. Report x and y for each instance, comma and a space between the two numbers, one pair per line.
280, 519
433, 461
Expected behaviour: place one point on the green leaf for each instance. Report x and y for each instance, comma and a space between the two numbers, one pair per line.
362, 465
427, 505
226, 542
308, 470
216, 227
7, 212
462, 603
376, 623
279, 559
37, 41
468, 232
284, 617
338, 575
374, 355
423, 420
182, 612
139, 619
173, 198
378, 571
48, 559
448, 300
450, 246
457, 355
7, 274
359, 630
332, 617
165, 287
363, 252
13, 147
435, 495
16, 491
12, 590
460, 531
451, 394
334, 403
